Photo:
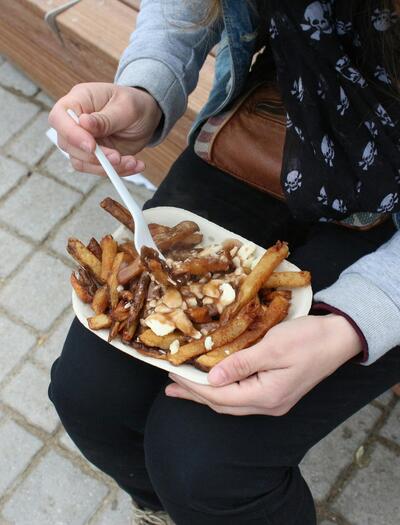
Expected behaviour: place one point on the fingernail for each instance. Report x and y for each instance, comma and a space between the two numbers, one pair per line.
140, 165
86, 147
131, 164
217, 376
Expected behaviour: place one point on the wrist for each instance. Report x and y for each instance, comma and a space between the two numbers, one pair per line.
347, 342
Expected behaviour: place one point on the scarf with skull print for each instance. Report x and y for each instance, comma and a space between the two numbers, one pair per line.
342, 151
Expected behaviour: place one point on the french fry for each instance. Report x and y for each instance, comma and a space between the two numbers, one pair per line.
120, 313
191, 240
99, 322
128, 248
109, 251
94, 247
155, 266
85, 257
166, 240
267, 296
149, 351
201, 266
81, 291
112, 280
288, 280
100, 300
136, 307
221, 336
130, 271
257, 277
199, 314
267, 318
114, 329
119, 212
149, 338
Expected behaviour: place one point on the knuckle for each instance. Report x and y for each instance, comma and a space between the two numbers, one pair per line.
241, 365
77, 164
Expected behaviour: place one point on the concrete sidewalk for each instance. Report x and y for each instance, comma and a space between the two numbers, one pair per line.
354, 473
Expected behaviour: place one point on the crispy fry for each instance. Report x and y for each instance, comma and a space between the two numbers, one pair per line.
155, 266
166, 240
112, 280
109, 251
288, 280
131, 271
191, 240
149, 351
119, 212
100, 321
149, 338
100, 300
267, 296
254, 281
81, 291
94, 247
120, 313
267, 318
222, 335
84, 257
136, 307
199, 314
128, 248
201, 266
115, 325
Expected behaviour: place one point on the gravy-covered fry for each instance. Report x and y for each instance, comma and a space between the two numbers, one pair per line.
119, 212
222, 335
136, 307
201, 266
266, 319
95, 248
257, 277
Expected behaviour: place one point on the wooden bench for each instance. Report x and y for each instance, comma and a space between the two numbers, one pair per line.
92, 36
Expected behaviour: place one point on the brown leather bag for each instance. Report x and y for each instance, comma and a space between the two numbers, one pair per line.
247, 141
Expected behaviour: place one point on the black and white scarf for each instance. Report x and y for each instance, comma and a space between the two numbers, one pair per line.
342, 152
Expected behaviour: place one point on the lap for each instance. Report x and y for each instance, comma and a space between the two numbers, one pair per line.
100, 379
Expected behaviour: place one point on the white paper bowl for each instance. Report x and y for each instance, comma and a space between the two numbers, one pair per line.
301, 297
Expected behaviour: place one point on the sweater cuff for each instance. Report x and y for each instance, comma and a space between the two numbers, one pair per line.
370, 309
158, 80
322, 307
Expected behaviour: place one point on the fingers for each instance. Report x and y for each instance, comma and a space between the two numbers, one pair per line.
118, 114
66, 127
126, 167
238, 366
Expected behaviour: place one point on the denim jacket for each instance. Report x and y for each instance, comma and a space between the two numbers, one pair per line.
165, 55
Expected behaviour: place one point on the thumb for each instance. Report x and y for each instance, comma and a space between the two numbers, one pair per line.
114, 117
236, 367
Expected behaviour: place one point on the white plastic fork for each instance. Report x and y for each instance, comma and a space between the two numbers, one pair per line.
142, 235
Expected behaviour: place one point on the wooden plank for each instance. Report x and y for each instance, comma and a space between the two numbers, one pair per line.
27, 41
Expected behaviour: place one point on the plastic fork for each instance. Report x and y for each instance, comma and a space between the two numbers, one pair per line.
142, 235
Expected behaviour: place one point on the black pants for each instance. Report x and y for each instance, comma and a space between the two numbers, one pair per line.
202, 467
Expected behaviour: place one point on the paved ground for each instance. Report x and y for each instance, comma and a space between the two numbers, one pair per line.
354, 473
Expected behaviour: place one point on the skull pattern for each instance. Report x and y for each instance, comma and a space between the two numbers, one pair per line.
328, 150
293, 181
383, 19
344, 103
388, 203
344, 67
318, 18
368, 156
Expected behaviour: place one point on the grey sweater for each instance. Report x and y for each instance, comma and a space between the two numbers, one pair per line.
165, 54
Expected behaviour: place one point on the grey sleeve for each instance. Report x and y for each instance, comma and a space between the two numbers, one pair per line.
369, 292
165, 54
